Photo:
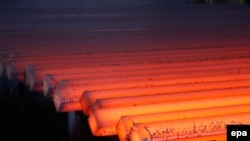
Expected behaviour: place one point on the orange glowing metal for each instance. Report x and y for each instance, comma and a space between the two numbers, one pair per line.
156, 94
138, 72
102, 121
164, 65
63, 54
79, 88
170, 97
182, 86
176, 57
76, 88
186, 128
188, 67
219, 137
36, 77
126, 123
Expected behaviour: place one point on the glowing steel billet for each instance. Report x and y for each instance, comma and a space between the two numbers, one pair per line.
138, 55
103, 120
186, 128
161, 69
218, 137
129, 61
43, 52
128, 55
147, 45
130, 70
146, 75
37, 76
146, 95
20, 65
73, 91
170, 97
126, 123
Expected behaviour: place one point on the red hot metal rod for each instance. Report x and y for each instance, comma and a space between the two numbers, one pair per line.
102, 121
178, 84
19, 66
37, 76
126, 123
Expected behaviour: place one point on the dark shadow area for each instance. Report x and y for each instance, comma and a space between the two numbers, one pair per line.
32, 117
